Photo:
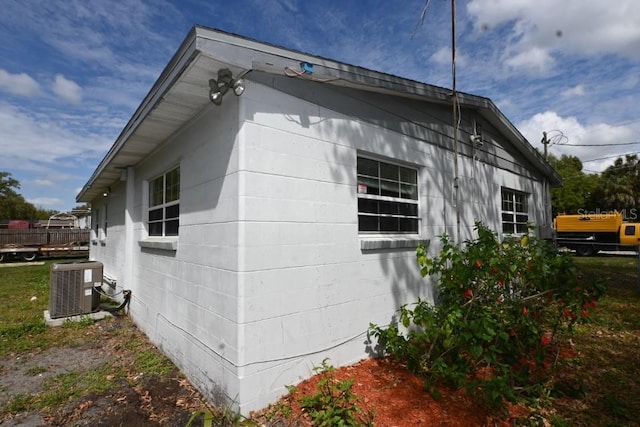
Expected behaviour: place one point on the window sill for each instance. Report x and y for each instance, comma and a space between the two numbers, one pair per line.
372, 244
163, 243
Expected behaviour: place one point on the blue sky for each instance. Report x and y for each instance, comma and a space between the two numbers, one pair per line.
73, 72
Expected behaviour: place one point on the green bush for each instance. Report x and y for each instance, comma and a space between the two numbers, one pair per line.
502, 308
334, 404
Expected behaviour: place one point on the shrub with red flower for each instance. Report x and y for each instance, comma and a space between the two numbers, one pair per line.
545, 340
518, 297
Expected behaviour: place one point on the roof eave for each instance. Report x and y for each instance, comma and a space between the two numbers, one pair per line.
506, 127
170, 74
246, 54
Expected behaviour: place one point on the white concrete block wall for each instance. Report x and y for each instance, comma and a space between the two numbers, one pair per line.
186, 300
307, 291
269, 277
108, 248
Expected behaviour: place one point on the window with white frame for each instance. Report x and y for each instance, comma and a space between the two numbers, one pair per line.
387, 197
164, 204
105, 224
515, 211
96, 224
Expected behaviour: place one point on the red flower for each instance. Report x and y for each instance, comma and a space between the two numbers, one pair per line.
500, 299
545, 340
501, 283
467, 294
585, 313
525, 310
568, 313
591, 304
494, 270
478, 264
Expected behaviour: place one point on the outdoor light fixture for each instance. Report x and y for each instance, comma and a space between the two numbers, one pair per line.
217, 88
215, 95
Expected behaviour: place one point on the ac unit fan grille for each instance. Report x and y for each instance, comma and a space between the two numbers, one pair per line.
72, 288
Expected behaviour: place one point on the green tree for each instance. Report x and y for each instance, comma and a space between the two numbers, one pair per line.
578, 190
8, 185
12, 204
619, 186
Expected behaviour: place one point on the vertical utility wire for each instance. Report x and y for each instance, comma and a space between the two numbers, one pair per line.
456, 124
422, 16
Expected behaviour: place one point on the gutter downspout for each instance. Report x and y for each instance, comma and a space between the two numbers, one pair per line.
127, 283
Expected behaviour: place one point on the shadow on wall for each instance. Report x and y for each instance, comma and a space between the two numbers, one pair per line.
417, 133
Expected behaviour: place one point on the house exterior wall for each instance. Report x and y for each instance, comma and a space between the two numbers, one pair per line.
185, 300
307, 289
107, 244
270, 276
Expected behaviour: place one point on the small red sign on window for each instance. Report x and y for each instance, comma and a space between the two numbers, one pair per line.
362, 189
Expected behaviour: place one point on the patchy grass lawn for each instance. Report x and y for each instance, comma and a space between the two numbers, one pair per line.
82, 373
604, 387
108, 373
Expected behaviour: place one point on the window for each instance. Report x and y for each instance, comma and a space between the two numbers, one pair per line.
164, 204
515, 212
387, 197
630, 230
96, 224
106, 215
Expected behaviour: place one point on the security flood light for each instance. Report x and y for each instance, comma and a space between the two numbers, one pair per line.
225, 81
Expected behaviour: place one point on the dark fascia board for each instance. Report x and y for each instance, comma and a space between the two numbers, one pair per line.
169, 76
271, 58
264, 56
250, 54
491, 112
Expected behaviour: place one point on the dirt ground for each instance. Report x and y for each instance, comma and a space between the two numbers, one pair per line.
137, 399
389, 391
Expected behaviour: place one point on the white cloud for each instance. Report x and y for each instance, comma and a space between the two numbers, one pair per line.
46, 202
43, 182
578, 26
19, 84
45, 146
67, 89
577, 133
443, 57
22, 134
574, 91
534, 61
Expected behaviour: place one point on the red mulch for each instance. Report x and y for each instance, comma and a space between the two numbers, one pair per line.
398, 399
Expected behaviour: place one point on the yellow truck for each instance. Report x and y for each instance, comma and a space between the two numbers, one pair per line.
588, 234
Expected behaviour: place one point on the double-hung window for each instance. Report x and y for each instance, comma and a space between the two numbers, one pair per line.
106, 219
96, 224
387, 197
515, 211
164, 204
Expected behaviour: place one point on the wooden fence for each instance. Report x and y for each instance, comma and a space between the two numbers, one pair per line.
36, 237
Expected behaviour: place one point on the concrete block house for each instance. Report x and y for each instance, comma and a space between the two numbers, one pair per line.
261, 233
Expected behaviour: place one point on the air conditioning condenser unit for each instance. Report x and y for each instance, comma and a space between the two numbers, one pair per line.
72, 290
